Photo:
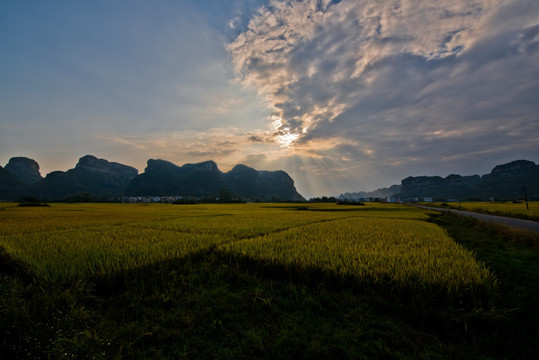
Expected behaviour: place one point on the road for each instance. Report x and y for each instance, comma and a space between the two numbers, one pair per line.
518, 223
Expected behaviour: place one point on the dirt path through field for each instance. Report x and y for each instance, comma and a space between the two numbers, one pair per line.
519, 223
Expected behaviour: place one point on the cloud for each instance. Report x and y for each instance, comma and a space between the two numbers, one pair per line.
304, 55
395, 81
228, 146
359, 93
256, 138
254, 160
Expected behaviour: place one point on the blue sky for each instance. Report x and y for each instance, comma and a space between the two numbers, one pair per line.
343, 95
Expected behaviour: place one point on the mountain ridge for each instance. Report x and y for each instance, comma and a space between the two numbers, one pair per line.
101, 180
505, 182
162, 178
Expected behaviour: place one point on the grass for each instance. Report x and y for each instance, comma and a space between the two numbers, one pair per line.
211, 309
258, 281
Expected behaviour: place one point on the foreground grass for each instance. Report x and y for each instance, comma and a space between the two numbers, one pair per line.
212, 303
215, 308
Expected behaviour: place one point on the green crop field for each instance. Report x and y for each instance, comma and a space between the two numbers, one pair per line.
133, 261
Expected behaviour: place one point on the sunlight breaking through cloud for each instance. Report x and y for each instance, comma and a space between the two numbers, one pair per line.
364, 92
313, 59
395, 82
282, 134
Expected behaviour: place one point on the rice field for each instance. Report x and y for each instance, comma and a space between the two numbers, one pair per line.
386, 248
401, 257
506, 207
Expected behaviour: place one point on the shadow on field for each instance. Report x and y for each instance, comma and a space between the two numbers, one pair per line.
414, 293
214, 305
12, 267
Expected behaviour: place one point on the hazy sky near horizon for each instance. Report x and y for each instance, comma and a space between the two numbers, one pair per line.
343, 95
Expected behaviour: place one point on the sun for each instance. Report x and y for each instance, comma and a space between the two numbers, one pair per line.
282, 134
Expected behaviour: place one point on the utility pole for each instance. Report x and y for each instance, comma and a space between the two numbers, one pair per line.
526, 198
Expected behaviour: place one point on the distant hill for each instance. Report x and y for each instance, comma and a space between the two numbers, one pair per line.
17, 176
450, 187
162, 178
24, 169
504, 182
376, 194
99, 179
264, 185
96, 177
10, 186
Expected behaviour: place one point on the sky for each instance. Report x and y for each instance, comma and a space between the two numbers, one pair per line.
343, 95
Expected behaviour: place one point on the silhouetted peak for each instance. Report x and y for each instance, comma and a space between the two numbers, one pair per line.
242, 169
93, 164
159, 164
25, 169
209, 166
514, 167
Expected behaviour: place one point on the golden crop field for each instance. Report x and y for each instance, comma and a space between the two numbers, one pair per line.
378, 251
506, 207
379, 246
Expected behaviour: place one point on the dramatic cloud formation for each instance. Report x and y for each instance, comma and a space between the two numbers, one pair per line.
404, 84
343, 95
